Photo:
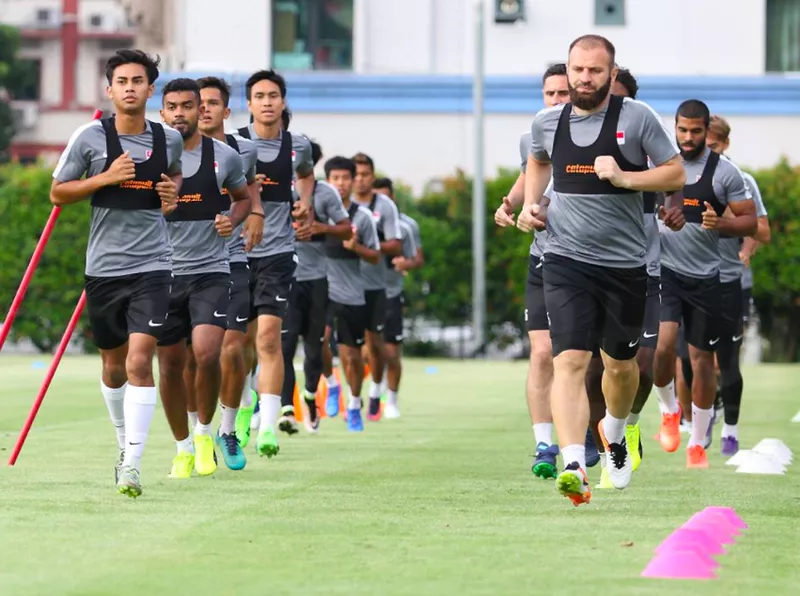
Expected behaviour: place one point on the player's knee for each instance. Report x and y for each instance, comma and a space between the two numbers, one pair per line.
139, 367
621, 369
207, 357
542, 359
572, 362
233, 352
268, 342
115, 373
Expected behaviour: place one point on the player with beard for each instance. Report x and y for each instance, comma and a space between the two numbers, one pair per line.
284, 163
386, 216
734, 254
555, 91
690, 276
308, 302
346, 286
214, 182
396, 270
133, 171
595, 279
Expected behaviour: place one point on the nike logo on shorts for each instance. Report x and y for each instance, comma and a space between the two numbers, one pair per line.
398, 338
150, 322
737, 338
648, 335
633, 343
279, 299
219, 316
379, 328
539, 265
241, 319
359, 341
713, 341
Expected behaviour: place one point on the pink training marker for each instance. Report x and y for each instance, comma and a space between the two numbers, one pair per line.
731, 515
714, 524
679, 565
687, 539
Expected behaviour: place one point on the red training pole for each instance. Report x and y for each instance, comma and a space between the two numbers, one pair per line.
32, 265
73, 322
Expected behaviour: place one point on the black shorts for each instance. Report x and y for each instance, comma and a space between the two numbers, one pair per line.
590, 305
239, 307
535, 310
270, 284
349, 323
696, 303
683, 347
652, 314
197, 299
747, 302
125, 304
376, 310
731, 320
393, 332
308, 305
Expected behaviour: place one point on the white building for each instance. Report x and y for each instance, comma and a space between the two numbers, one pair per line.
393, 79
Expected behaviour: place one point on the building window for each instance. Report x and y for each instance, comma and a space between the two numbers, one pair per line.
609, 12
26, 79
783, 36
312, 34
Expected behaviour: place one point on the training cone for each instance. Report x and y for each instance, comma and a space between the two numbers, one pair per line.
699, 540
796, 417
715, 525
738, 459
759, 463
681, 564
298, 410
730, 514
775, 448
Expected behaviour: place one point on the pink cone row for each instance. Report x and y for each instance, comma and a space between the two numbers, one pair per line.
688, 553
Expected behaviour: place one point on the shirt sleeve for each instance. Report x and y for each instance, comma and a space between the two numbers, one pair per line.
367, 231
538, 146
390, 219
303, 162
761, 210
658, 143
76, 157
332, 207
409, 246
249, 158
233, 169
524, 150
417, 233
174, 151
732, 182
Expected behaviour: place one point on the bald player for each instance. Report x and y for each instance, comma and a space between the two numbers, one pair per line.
715, 201
133, 172
595, 277
555, 91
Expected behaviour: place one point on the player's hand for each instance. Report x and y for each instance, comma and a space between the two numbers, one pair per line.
350, 243
261, 178
529, 219
253, 230
744, 258
223, 225
672, 217
606, 168
710, 217
399, 263
121, 169
300, 211
168, 192
303, 229
504, 216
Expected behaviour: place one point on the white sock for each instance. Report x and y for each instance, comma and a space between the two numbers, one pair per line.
247, 396
572, 453
633, 419
202, 429
667, 402
115, 402
270, 410
701, 419
186, 446
614, 428
140, 403
375, 390
332, 381
193, 419
730, 430
228, 423
391, 397
543, 433
354, 403
254, 380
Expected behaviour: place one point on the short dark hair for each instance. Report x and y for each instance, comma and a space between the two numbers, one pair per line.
339, 163
316, 152
266, 75
362, 159
180, 84
594, 41
627, 80
554, 70
383, 183
122, 57
694, 108
286, 117
216, 83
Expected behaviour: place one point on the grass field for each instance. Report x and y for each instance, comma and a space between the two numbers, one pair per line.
439, 502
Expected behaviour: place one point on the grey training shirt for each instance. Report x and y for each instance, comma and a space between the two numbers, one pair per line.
539, 238
387, 220
312, 262
121, 241
249, 153
731, 267
604, 230
395, 278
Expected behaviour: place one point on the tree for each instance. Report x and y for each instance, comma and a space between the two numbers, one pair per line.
58, 282
15, 75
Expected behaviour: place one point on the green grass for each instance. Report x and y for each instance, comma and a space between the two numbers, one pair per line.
439, 502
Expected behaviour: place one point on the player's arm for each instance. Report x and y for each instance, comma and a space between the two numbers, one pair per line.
369, 247
392, 244
304, 178
740, 203
74, 191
